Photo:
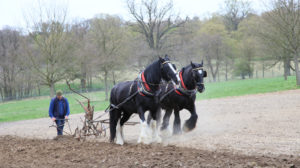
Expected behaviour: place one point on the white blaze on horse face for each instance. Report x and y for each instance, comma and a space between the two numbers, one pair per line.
175, 72
200, 71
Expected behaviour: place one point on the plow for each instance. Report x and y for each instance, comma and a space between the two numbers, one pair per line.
95, 127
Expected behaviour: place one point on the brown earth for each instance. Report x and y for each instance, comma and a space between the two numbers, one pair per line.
253, 130
68, 152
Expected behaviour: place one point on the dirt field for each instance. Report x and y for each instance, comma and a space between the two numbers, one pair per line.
254, 130
68, 152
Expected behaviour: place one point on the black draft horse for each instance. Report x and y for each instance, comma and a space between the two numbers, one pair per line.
191, 81
147, 91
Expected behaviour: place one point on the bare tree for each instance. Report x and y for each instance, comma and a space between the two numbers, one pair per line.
107, 35
235, 12
284, 19
51, 59
155, 21
79, 33
212, 42
9, 65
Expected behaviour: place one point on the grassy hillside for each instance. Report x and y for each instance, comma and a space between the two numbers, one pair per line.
38, 107
249, 86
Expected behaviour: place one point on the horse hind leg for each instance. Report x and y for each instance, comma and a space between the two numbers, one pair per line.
114, 125
119, 133
124, 119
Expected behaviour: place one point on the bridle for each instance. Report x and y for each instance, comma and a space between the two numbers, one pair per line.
183, 90
197, 70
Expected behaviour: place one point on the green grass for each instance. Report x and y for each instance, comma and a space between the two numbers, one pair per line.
249, 86
38, 107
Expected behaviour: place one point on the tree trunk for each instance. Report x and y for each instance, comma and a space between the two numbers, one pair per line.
39, 89
286, 67
243, 75
52, 89
114, 79
106, 85
214, 77
263, 70
256, 73
226, 71
83, 75
296, 62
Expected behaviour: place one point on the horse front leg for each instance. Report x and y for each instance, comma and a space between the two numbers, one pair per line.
191, 122
154, 125
144, 135
177, 122
165, 125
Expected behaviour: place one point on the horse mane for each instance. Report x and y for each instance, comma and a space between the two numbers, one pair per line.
153, 74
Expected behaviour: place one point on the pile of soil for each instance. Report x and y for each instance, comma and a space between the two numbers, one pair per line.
68, 152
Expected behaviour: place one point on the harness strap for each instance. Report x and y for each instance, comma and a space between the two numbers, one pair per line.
181, 79
178, 92
145, 83
198, 68
166, 62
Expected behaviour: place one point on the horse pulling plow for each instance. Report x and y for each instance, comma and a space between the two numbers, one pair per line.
91, 126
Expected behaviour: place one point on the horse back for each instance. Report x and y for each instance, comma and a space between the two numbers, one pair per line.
121, 91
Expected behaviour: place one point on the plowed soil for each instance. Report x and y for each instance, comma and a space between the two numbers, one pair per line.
260, 130
68, 152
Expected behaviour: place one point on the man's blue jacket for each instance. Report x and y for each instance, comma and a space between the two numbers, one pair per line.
59, 108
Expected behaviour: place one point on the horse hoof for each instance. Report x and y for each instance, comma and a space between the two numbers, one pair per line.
120, 142
187, 128
166, 132
157, 139
144, 140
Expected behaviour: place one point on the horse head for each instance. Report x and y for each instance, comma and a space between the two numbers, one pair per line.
168, 70
199, 74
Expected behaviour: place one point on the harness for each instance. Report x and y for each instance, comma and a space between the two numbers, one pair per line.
182, 90
143, 87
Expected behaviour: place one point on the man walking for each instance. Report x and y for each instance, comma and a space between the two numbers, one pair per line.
59, 111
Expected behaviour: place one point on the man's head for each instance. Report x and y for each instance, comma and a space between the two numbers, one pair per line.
59, 94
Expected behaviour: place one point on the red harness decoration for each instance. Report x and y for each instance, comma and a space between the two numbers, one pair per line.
141, 94
145, 83
181, 79
178, 92
182, 84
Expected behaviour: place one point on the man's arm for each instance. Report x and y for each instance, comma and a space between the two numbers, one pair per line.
51, 108
68, 108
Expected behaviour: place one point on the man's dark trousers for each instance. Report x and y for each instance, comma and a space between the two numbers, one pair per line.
60, 126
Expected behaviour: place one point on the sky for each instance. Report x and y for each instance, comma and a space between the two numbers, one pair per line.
12, 11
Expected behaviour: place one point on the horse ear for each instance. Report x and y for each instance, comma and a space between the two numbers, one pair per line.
160, 59
193, 65
166, 56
